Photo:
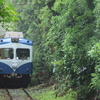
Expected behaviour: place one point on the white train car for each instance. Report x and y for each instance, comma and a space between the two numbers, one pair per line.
15, 59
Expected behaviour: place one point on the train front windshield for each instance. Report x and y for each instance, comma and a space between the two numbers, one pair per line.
6, 53
22, 53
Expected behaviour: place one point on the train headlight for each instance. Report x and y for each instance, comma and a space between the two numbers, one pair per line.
27, 70
14, 39
0, 69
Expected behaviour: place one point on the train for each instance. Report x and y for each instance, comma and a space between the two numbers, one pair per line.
15, 59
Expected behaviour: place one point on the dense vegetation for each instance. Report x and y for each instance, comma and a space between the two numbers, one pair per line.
66, 41
8, 16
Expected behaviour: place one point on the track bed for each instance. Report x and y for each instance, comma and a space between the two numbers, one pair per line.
15, 94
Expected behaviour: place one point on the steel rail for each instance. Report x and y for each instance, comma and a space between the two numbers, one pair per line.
27, 94
9, 94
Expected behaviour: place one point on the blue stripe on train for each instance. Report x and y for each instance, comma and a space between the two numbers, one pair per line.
24, 69
21, 40
5, 69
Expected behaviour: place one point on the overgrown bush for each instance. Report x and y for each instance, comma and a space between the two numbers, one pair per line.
64, 31
94, 53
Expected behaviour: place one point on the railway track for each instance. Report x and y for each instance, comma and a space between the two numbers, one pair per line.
9, 95
18, 94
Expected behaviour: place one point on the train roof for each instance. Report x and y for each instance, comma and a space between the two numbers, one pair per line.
20, 40
12, 34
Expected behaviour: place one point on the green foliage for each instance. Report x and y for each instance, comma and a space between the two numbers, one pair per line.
71, 95
50, 94
66, 38
95, 54
7, 14
97, 12
96, 80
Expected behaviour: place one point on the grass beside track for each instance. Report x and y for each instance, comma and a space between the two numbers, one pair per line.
49, 93
42, 92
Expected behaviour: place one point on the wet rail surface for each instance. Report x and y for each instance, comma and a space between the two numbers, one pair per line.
17, 94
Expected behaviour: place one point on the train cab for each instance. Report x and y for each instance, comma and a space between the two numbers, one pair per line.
15, 59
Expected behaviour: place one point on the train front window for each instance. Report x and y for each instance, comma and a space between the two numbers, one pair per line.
6, 53
22, 53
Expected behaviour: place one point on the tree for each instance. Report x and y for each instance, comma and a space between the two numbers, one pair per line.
64, 31
7, 14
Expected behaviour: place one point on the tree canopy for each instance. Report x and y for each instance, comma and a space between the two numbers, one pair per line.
66, 39
7, 14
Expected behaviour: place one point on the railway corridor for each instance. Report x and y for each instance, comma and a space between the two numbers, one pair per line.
15, 94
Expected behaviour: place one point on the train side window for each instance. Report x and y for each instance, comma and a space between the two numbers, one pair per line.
6, 53
22, 53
